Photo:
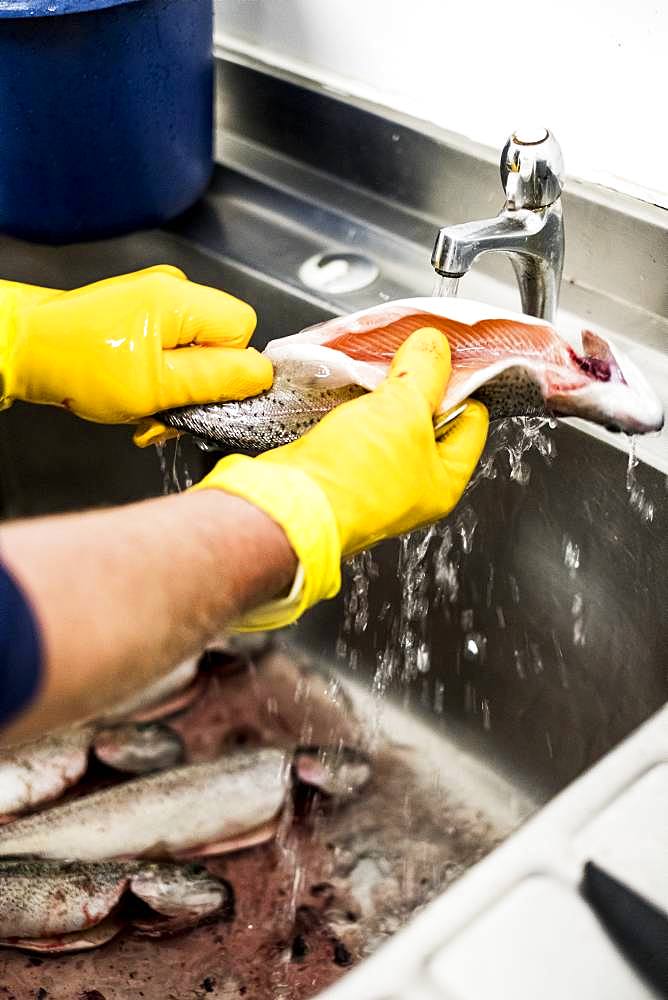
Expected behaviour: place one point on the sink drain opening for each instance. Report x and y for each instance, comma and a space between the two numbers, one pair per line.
338, 272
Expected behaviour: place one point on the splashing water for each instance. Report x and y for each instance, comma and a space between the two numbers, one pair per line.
637, 495
360, 571
516, 438
175, 473
571, 556
577, 610
429, 567
161, 452
572, 561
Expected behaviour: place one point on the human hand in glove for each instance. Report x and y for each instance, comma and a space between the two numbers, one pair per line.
127, 347
369, 470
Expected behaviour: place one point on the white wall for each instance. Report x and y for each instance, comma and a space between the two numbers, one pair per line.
595, 71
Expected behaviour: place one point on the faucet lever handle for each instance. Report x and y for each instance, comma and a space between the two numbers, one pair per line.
532, 169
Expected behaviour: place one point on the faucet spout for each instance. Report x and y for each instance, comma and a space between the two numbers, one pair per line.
529, 228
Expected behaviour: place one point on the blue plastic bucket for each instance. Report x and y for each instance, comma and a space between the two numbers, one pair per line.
106, 114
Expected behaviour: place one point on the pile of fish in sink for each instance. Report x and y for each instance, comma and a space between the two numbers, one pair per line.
227, 834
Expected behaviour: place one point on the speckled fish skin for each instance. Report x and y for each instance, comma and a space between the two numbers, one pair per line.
39, 771
160, 815
287, 410
34, 773
276, 417
44, 899
52, 899
138, 748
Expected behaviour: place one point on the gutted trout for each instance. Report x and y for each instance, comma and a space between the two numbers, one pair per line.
163, 815
163, 697
517, 365
40, 770
53, 906
139, 748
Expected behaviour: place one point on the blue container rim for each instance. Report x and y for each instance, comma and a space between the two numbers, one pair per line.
55, 8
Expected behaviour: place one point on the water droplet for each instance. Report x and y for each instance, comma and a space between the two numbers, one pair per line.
467, 522
475, 647
439, 697
423, 658
466, 619
571, 556
536, 657
489, 590
637, 494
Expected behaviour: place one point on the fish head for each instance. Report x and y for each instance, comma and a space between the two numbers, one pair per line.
609, 390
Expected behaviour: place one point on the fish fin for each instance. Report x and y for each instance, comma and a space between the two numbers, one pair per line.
259, 835
596, 347
339, 772
600, 349
175, 704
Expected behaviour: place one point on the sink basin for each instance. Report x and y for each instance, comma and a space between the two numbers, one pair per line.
508, 649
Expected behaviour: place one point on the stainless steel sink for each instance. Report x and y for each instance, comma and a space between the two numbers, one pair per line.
533, 621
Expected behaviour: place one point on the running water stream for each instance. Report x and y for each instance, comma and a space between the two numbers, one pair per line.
637, 495
430, 564
445, 286
174, 470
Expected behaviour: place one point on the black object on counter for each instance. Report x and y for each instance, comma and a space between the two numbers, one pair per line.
637, 926
106, 118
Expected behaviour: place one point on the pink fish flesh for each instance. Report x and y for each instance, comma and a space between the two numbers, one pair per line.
517, 365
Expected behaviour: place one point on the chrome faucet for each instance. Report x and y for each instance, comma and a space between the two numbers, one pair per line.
529, 227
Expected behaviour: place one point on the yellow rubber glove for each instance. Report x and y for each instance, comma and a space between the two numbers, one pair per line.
369, 470
123, 348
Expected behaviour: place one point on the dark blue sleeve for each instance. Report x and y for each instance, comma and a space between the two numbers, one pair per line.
20, 649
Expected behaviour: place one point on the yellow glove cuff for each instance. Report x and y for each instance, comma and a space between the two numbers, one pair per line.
300, 507
7, 321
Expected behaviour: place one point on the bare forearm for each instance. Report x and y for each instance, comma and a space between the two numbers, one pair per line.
123, 595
